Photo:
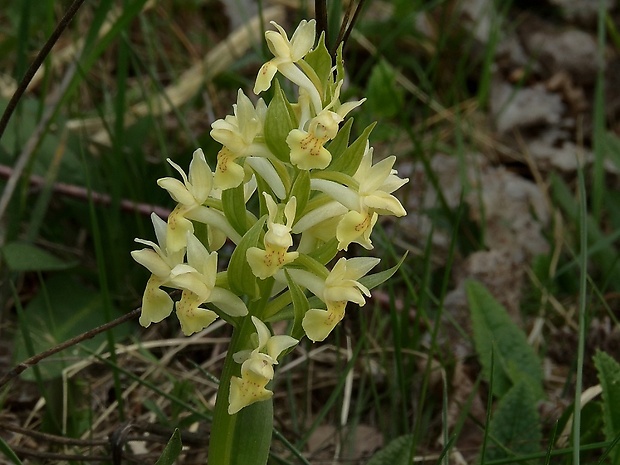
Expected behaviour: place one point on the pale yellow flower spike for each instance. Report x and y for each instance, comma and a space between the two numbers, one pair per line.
190, 194
256, 368
307, 151
156, 303
340, 286
278, 239
197, 280
238, 134
286, 53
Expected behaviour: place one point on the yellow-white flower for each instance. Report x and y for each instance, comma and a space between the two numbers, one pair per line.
190, 194
372, 197
238, 133
307, 151
256, 368
340, 286
197, 280
286, 54
278, 239
156, 303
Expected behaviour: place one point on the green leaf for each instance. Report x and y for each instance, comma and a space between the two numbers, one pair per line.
385, 98
240, 277
172, 450
300, 307
496, 334
8, 452
373, 280
252, 434
515, 426
397, 452
62, 309
351, 158
301, 190
609, 375
233, 204
279, 121
325, 252
20, 256
340, 143
320, 60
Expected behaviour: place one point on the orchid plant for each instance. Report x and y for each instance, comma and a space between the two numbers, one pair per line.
290, 191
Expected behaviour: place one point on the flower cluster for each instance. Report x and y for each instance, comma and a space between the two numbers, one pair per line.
290, 190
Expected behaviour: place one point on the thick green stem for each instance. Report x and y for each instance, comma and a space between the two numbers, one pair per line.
245, 437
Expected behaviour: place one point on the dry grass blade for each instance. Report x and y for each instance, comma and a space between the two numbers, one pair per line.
190, 81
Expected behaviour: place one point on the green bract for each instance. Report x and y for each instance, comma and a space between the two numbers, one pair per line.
289, 192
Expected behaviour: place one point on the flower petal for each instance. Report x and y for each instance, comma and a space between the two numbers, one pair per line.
191, 316
244, 392
278, 344
156, 303
177, 190
265, 76
152, 261
319, 323
303, 39
228, 302
200, 177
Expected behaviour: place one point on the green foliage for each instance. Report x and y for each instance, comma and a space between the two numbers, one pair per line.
21, 257
320, 61
385, 98
280, 120
233, 203
609, 375
373, 280
397, 452
498, 338
515, 426
9, 453
300, 307
351, 158
240, 277
341, 141
62, 309
172, 450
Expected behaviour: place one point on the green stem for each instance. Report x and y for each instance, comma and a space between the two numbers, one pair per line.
245, 437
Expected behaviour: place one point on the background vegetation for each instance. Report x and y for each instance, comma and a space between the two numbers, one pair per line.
504, 115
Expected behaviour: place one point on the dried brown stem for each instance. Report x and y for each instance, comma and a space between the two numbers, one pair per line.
58, 457
79, 192
348, 22
17, 370
320, 11
38, 61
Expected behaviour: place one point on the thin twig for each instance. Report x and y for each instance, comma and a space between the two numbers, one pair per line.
38, 61
348, 23
57, 457
352, 23
320, 11
16, 371
52, 437
79, 192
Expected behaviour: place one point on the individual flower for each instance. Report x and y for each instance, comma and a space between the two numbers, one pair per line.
256, 368
372, 197
190, 194
156, 303
340, 287
197, 280
286, 54
238, 133
307, 150
278, 239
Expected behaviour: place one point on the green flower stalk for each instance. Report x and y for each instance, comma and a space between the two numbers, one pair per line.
317, 191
